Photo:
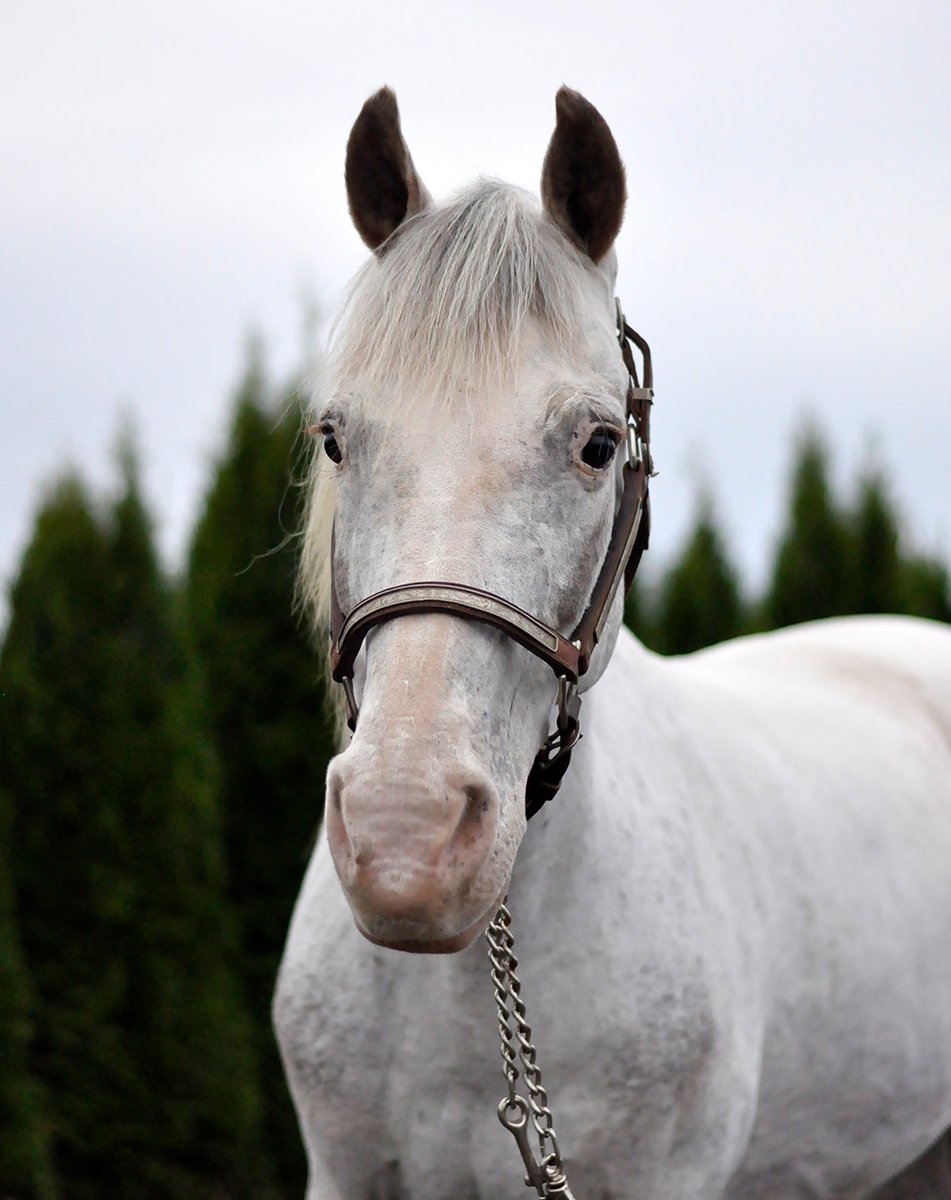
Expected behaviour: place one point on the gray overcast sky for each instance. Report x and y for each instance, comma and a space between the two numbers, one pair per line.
173, 177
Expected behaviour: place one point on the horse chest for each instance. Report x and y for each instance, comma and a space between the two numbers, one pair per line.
394, 1061
401, 1096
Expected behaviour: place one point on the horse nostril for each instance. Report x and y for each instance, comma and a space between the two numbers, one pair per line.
478, 800
479, 815
334, 805
338, 835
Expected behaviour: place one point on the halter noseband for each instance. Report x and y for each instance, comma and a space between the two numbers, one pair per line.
568, 657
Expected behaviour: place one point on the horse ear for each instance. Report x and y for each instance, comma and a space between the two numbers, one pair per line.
583, 189
383, 188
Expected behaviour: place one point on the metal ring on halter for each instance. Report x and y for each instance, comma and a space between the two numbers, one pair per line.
567, 693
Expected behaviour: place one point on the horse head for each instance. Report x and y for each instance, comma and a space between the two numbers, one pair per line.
474, 426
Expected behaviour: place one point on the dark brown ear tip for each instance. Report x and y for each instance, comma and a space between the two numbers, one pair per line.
383, 104
572, 106
380, 109
374, 123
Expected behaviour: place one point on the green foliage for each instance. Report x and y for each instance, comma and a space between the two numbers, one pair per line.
831, 560
25, 1167
699, 600
141, 1045
71, 878
886, 576
811, 571
267, 708
638, 610
875, 577
926, 589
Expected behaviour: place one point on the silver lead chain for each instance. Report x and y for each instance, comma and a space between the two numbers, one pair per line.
545, 1173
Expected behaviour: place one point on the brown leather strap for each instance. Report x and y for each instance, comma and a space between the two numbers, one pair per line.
628, 521
459, 600
631, 531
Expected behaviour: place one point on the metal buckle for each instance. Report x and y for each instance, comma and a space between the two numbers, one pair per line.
569, 706
352, 710
567, 729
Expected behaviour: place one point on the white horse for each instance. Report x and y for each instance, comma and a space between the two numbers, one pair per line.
735, 919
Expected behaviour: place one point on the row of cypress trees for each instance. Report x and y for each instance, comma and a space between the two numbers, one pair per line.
834, 557
162, 751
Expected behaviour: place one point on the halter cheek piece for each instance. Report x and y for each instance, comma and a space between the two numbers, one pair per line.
569, 657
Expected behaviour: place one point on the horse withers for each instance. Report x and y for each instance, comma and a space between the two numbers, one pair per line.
735, 919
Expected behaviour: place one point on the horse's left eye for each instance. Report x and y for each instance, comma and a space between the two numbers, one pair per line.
599, 449
331, 445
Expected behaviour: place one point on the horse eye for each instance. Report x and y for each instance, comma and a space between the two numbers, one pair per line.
331, 448
599, 449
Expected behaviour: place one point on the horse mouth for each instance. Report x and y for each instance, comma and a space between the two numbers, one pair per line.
439, 945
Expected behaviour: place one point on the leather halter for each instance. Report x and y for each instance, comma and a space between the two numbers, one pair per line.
569, 657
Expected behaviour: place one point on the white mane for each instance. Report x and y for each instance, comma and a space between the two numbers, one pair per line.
435, 318
439, 312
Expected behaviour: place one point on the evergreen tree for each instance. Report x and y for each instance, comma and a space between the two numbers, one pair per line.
638, 610
699, 600
141, 1043
925, 588
268, 710
876, 568
887, 577
25, 1167
194, 1032
810, 577
72, 876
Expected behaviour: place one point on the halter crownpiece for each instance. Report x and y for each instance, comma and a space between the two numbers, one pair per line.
569, 657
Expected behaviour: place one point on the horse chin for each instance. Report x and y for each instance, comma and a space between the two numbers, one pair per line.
435, 946
413, 942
